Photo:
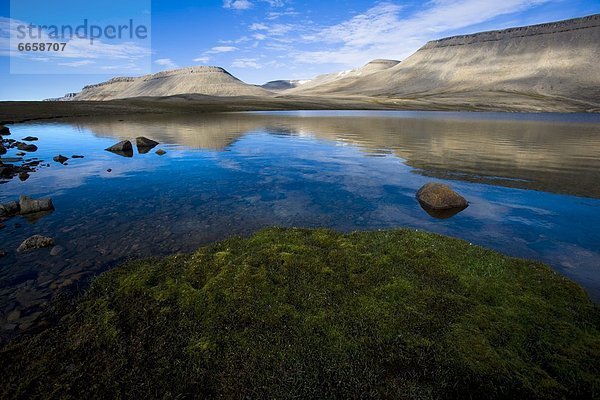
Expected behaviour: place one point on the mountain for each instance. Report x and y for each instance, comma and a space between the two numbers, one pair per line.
281, 85
344, 77
210, 81
556, 60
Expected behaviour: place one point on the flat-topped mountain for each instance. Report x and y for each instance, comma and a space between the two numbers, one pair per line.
558, 60
211, 81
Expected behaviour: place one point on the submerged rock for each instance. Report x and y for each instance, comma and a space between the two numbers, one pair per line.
9, 209
30, 206
144, 144
437, 196
35, 242
56, 250
30, 139
161, 152
26, 147
60, 159
123, 148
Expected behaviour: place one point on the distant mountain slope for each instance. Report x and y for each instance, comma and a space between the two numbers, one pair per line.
558, 59
344, 77
212, 81
280, 85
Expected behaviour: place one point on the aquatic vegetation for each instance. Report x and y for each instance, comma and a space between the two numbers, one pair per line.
315, 313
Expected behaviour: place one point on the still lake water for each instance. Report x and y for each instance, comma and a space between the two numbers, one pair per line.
533, 181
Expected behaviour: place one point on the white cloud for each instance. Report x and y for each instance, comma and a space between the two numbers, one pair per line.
81, 63
221, 49
203, 60
258, 27
246, 4
237, 4
246, 63
381, 32
166, 62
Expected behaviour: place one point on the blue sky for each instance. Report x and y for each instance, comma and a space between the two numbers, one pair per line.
262, 40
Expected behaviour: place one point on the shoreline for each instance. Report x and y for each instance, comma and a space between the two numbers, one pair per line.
12, 112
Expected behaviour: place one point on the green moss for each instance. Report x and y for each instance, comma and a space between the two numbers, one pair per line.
318, 314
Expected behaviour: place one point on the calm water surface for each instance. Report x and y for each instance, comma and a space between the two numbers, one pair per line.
533, 182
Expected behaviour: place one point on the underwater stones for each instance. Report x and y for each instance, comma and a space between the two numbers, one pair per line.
144, 144
161, 152
60, 159
9, 209
26, 147
30, 206
123, 148
56, 250
437, 197
35, 242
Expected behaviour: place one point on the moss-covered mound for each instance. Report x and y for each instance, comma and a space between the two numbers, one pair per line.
294, 313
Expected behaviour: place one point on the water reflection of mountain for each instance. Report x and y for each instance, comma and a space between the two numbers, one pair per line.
559, 157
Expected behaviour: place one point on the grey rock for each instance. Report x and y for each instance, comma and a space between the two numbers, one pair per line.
29, 206
35, 242
9, 209
144, 144
123, 148
26, 147
60, 159
437, 196
56, 250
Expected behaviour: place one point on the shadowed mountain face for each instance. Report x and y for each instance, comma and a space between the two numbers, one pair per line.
558, 157
551, 60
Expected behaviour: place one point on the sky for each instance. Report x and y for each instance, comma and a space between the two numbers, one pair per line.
255, 40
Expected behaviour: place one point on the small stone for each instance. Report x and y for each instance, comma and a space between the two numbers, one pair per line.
56, 250
21, 154
60, 159
2, 149
23, 176
109, 170
76, 156
13, 315
35, 242
30, 139
29, 206
161, 152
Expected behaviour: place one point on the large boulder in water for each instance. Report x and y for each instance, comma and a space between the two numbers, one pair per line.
4, 130
144, 144
30, 206
437, 196
123, 148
